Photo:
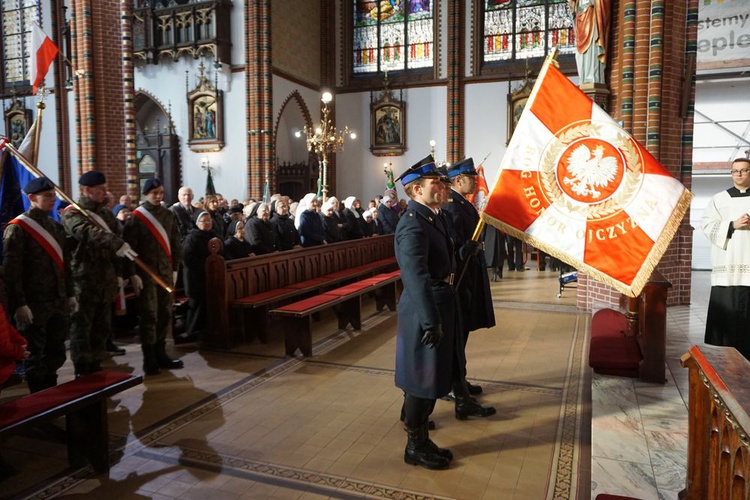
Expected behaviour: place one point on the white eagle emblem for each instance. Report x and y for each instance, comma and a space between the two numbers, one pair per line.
590, 171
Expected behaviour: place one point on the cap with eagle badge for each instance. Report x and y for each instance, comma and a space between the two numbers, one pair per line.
463, 167
425, 168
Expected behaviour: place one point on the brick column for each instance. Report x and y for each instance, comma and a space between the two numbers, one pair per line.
258, 94
128, 90
455, 76
653, 92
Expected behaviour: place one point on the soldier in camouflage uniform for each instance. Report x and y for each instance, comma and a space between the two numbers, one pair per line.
153, 233
39, 283
97, 267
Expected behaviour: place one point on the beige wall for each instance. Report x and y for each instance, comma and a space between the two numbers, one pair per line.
295, 37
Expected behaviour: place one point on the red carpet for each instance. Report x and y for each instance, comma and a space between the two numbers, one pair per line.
612, 351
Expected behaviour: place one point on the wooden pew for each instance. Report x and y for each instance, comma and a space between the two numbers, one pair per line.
718, 424
348, 301
229, 282
83, 402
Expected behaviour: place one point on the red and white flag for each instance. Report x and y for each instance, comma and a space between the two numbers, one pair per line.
481, 191
43, 52
574, 184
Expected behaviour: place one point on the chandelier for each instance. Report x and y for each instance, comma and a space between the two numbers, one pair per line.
324, 140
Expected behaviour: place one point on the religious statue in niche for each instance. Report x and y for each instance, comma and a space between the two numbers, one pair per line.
592, 35
17, 122
387, 123
205, 115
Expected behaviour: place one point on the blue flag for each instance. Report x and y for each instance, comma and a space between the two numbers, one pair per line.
12, 199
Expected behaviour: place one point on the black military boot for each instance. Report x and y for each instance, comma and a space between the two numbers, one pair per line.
419, 452
163, 360
150, 366
443, 452
466, 406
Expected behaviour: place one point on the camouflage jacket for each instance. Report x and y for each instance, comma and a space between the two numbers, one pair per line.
139, 236
31, 274
95, 263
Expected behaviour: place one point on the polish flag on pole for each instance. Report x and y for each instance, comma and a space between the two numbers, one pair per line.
43, 52
481, 191
574, 184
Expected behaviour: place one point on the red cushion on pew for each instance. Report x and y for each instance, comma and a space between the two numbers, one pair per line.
312, 283
347, 289
345, 273
608, 323
304, 305
47, 399
258, 297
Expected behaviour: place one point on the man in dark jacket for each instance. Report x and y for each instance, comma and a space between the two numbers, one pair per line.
184, 211
474, 292
427, 312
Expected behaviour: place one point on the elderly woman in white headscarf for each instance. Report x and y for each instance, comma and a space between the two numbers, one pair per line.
353, 223
311, 229
331, 222
304, 204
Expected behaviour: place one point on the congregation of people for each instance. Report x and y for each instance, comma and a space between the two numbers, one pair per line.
66, 281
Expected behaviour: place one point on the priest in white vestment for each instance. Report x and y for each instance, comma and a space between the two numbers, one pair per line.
726, 223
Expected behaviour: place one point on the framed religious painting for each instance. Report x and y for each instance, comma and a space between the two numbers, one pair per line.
387, 124
516, 103
17, 122
205, 116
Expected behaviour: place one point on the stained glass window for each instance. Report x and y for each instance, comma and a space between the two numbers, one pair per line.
392, 35
521, 29
17, 16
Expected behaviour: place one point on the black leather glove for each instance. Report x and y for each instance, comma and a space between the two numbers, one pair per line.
469, 249
432, 337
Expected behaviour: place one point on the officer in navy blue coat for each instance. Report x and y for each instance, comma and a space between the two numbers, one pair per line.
474, 291
428, 317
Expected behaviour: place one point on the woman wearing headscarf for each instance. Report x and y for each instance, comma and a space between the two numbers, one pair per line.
283, 224
353, 222
260, 233
371, 229
311, 229
302, 206
331, 222
235, 246
194, 255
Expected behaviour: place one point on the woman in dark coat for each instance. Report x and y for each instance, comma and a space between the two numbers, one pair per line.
283, 224
194, 255
332, 223
260, 233
311, 229
211, 205
353, 223
235, 246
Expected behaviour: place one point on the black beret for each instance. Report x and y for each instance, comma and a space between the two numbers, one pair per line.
38, 185
237, 209
150, 184
92, 178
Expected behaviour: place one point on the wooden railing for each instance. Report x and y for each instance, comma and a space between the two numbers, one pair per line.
647, 321
718, 424
227, 281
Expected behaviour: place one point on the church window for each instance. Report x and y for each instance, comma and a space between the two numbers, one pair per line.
392, 35
523, 29
17, 19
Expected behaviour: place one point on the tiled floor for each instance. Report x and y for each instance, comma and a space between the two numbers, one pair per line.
251, 423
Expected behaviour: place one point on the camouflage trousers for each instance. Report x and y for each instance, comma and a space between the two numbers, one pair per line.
154, 306
46, 343
89, 329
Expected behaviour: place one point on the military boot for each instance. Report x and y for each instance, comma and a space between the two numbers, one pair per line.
466, 406
419, 452
163, 360
150, 366
81, 368
443, 452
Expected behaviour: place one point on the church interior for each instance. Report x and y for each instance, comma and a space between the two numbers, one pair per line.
230, 94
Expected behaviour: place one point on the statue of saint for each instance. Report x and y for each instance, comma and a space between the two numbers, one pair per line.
592, 34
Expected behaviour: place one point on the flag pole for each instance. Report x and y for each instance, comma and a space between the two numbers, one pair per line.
38, 130
550, 59
31, 168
